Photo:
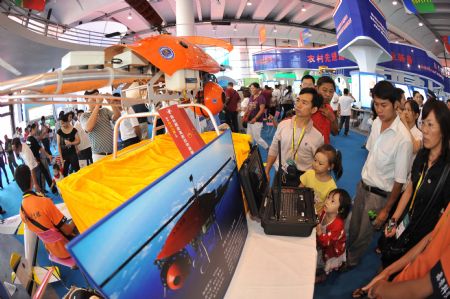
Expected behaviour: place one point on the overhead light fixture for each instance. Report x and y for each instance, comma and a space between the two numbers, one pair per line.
249, 3
436, 40
396, 41
394, 2
129, 15
303, 8
9, 67
420, 24
275, 29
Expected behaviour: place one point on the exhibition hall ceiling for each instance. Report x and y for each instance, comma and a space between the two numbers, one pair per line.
237, 20
284, 19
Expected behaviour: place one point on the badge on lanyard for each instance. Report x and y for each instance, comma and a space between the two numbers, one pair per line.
402, 226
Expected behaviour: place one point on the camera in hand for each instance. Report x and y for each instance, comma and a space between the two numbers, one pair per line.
291, 177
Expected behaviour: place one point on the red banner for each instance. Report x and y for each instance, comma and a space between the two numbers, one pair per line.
38, 5
181, 129
301, 43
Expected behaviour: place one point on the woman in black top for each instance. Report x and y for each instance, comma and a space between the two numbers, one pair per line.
425, 174
67, 140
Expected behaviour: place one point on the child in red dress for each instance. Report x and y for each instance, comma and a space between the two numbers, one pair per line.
331, 233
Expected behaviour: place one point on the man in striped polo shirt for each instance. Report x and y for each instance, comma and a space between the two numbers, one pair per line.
97, 123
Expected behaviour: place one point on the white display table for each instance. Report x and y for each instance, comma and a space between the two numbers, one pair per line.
274, 266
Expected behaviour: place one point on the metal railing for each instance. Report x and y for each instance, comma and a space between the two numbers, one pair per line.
40, 25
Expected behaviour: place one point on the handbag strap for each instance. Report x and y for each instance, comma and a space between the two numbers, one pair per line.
436, 192
34, 222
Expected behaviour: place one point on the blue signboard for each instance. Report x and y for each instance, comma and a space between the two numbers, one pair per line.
414, 60
360, 22
447, 85
296, 58
404, 58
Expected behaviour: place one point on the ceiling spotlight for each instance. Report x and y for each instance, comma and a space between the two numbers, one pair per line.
436, 40
129, 15
303, 8
394, 2
275, 29
249, 3
420, 24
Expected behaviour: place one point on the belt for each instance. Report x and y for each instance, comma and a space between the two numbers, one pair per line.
374, 190
103, 154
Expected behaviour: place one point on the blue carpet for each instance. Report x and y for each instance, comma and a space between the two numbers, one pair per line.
10, 200
338, 285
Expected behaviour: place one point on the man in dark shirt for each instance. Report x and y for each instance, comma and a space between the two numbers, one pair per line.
232, 100
267, 94
43, 172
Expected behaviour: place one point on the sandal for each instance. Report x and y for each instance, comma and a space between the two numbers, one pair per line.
359, 293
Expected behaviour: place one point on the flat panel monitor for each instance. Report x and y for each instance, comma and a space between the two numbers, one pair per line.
405, 88
367, 82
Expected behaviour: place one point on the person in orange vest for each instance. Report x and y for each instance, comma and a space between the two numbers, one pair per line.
40, 214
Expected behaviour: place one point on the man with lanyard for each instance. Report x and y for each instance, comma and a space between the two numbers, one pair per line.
40, 214
384, 172
299, 139
232, 100
97, 123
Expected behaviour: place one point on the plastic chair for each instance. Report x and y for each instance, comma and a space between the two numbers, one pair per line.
52, 236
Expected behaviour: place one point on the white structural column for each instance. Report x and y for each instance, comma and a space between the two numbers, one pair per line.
299, 73
185, 17
366, 57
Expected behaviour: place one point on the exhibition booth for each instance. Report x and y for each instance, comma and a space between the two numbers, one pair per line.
169, 217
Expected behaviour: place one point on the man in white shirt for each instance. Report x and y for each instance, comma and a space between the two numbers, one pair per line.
418, 98
384, 173
84, 148
335, 104
130, 131
345, 110
276, 96
23, 151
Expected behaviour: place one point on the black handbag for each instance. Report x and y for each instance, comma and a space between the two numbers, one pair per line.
396, 248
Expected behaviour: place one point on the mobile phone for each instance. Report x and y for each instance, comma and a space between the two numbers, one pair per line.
391, 225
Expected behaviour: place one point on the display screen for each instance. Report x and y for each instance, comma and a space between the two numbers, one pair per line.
405, 88
367, 82
361, 85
